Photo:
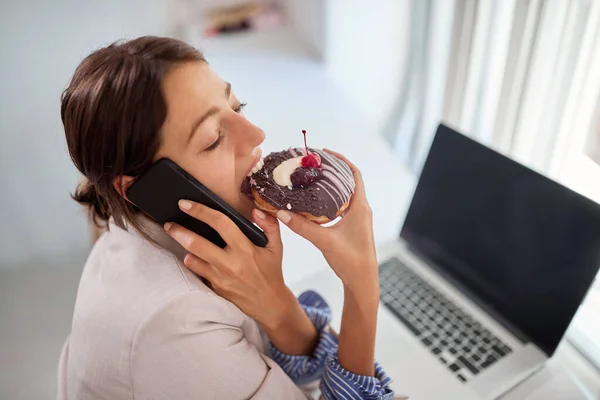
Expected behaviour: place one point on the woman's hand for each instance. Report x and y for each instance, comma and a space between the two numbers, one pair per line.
349, 249
348, 246
250, 277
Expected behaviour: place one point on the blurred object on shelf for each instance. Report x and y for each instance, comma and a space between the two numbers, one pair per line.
242, 17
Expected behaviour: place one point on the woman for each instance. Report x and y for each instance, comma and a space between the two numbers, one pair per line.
161, 313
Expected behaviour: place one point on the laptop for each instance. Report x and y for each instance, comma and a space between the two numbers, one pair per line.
492, 264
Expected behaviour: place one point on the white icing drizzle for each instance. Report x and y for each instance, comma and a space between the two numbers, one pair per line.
345, 170
275, 201
340, 196
339, 166
338, 177
342, 189
320, 183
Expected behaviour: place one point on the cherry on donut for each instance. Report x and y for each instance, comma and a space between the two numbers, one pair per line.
310, 160
304, 177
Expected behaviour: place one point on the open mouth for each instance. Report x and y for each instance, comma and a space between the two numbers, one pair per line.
257, 167
245, 188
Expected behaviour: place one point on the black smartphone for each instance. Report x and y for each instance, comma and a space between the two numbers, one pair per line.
158, 191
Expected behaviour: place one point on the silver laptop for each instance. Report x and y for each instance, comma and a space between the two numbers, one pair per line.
491, 266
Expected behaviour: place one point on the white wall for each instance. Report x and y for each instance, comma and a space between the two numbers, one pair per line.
41, 43
366, 50
308, 18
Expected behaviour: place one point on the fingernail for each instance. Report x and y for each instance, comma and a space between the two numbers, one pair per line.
284, 216
168, 226
185, 204
259, 214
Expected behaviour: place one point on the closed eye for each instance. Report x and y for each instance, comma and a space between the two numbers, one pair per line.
240, 108
215, 144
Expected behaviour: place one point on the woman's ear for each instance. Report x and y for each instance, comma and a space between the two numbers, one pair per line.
121, 184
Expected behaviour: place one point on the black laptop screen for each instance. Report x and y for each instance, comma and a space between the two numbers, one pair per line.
524, 247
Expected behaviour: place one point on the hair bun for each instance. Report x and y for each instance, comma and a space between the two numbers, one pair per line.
87, 195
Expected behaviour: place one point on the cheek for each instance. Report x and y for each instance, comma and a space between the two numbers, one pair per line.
216, 171
220, 180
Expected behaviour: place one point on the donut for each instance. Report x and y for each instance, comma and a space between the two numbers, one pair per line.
320, 193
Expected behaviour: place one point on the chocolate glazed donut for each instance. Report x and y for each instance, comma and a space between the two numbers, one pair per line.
321, 201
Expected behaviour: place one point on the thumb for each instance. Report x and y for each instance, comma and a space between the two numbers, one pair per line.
307, 229
270, 226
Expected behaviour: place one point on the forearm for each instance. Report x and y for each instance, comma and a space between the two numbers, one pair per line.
293, 332
359, 323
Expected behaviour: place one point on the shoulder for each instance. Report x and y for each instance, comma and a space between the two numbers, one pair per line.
156, 293
125, 280
145, 264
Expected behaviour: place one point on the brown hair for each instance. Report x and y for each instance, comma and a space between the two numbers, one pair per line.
112, 112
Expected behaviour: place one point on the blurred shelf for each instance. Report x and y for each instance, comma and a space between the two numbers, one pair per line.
280, 42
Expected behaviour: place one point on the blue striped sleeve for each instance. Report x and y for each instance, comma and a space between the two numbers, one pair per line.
340, 384
336, 382
305, 369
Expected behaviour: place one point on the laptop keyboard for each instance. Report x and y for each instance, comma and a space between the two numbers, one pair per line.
451, 335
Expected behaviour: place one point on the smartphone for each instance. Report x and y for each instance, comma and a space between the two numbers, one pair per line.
158, 191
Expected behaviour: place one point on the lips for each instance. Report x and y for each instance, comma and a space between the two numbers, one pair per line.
257, 159
256, 166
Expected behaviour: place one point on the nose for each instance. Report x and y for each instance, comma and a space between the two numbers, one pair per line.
248, 136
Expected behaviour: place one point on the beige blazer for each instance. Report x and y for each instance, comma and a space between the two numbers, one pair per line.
145, 327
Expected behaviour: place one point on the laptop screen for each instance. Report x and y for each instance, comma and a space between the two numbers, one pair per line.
523, 247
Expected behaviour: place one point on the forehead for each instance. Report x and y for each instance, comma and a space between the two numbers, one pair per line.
190, 90
190, 86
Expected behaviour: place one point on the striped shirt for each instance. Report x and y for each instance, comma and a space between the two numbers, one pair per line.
336, 382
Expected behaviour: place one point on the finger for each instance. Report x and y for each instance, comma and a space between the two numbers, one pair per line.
199, 267
270, 226
309, 230
229, 231
196, 244
358, 179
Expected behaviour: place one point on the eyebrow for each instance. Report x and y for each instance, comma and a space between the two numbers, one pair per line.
209, 113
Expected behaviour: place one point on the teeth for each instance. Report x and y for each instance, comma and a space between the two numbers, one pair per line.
257, 167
